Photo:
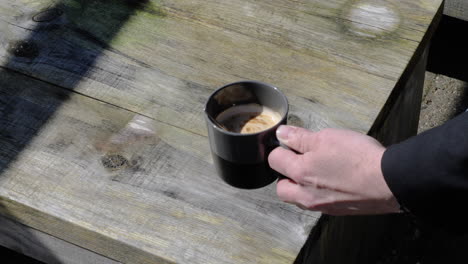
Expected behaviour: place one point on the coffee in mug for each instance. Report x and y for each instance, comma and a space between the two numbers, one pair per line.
248, 118
242, 119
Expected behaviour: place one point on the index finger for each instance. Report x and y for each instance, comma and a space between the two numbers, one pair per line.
285, 162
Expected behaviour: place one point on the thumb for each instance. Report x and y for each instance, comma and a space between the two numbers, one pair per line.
296, 138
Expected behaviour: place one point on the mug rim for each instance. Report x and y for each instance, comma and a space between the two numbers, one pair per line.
283, 117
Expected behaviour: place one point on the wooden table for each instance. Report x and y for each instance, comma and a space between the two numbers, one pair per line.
103, 149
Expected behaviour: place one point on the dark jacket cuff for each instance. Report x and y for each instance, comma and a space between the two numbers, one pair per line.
428, 174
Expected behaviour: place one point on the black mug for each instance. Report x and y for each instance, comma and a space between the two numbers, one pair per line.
241, 160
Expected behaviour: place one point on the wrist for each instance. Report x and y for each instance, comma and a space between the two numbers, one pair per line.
383, 192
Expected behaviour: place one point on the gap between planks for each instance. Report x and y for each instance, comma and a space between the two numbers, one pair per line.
96, 99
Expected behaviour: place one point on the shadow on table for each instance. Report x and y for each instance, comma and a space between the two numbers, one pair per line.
42, 53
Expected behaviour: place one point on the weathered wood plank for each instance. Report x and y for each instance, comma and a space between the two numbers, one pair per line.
129, 187
121, 81
155, 63
44, 247
163, 62
368, 35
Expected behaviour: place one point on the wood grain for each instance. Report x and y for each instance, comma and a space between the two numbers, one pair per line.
165, 59
43, 247
103, 142
129, 187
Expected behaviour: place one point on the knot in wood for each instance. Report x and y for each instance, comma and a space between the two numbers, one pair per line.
114, 162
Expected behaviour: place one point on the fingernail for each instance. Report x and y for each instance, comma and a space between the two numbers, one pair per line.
282, 133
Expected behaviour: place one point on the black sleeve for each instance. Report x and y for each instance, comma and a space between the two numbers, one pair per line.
428, 173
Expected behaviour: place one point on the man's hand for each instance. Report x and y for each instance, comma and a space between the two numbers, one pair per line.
336, 172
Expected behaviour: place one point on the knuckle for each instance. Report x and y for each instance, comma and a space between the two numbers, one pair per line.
297, 172
324, 138
301, 141
298, 140
304, 166
312, 182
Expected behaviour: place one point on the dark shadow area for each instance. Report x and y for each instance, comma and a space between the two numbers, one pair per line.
59, 49
448, 54
462, 102
14, 257
463, 105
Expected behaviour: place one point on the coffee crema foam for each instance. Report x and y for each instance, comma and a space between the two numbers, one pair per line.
248, 118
